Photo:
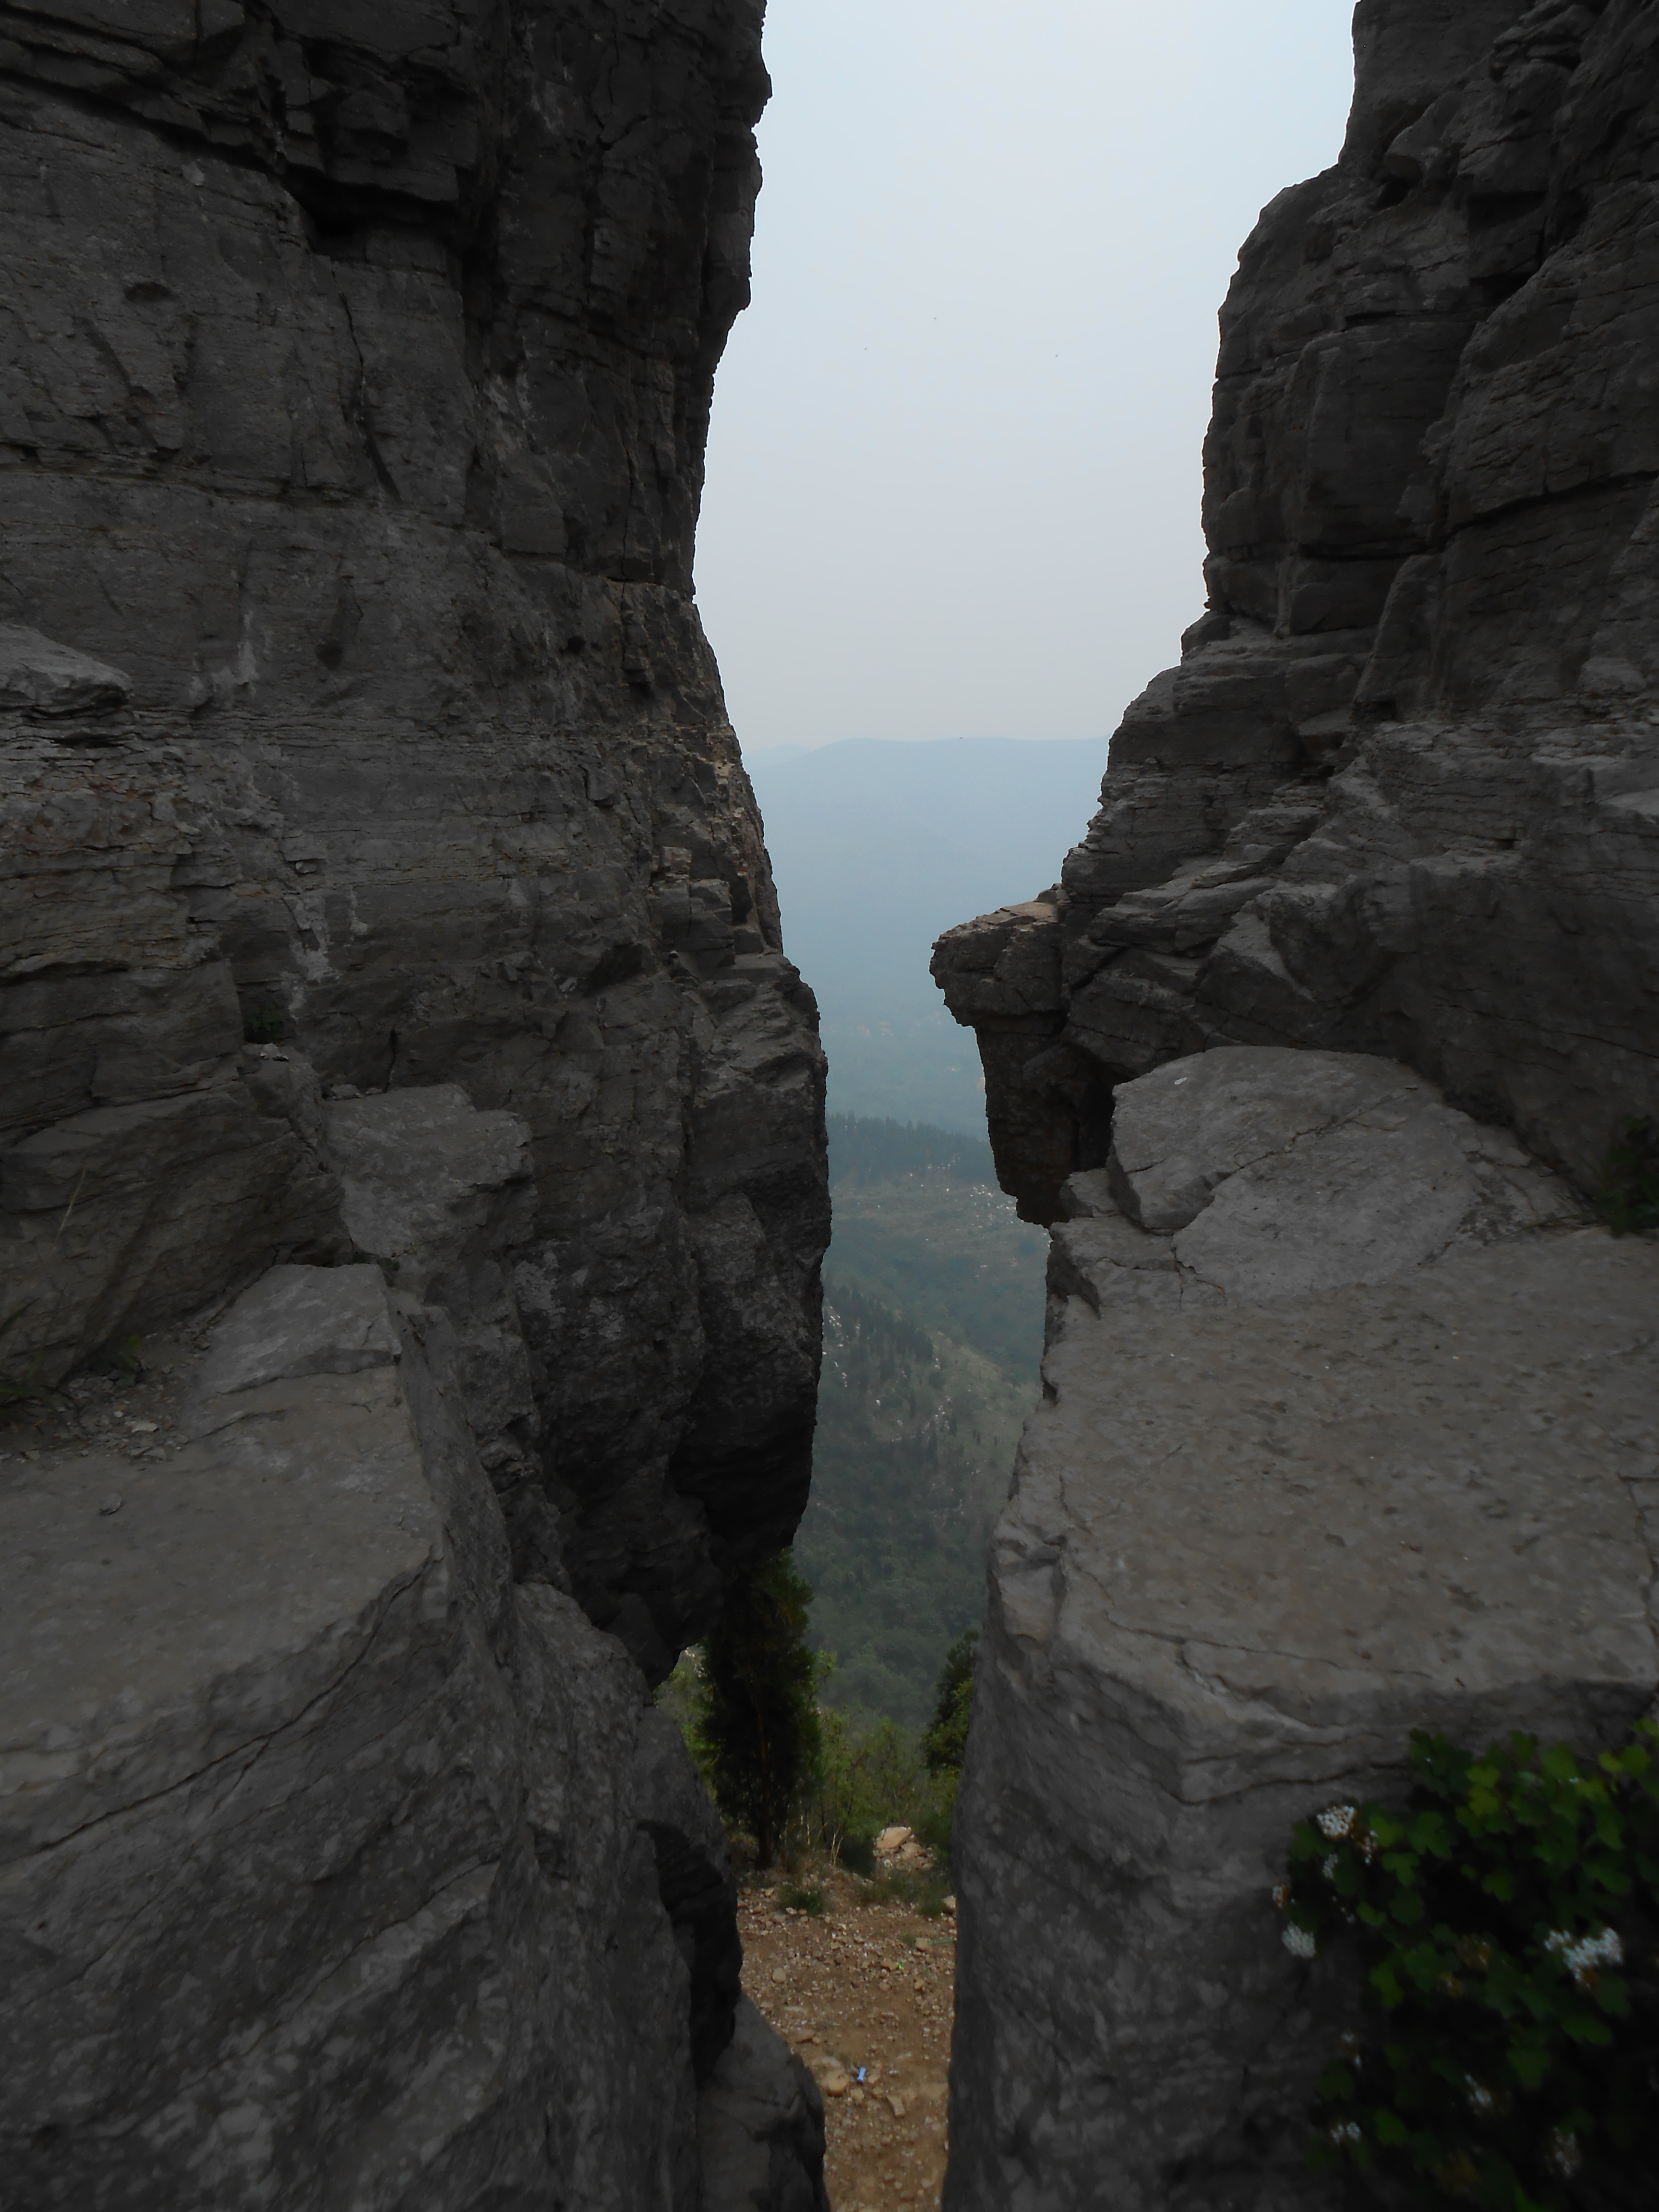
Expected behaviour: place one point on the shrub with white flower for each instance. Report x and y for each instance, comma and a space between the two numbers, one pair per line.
1506, 1931
1583, 1956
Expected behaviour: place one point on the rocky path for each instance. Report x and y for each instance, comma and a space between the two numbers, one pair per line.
864, 1992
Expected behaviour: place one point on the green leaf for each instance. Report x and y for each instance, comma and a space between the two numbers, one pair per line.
1529, 2063
1428, 1833
1389, 2128
1384, 1980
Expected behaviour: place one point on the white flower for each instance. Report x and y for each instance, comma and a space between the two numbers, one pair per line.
1481, 2099
1328, 1867
1343, 2131
1581, 1955
1300, 1942
1281, 1894
1565, 2153
1336, 1821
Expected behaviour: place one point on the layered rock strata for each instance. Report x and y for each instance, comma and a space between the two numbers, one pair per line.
1350, 1426
380, 881
352, 694
1401, 794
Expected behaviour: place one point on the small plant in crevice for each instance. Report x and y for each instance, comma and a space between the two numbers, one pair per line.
265, 1023
1628, 1201
1506, 1929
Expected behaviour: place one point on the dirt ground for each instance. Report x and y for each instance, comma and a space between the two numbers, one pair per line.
865, 1994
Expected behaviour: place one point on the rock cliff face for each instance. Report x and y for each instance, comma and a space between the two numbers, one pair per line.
1401, 795
356, 378
380, 881
1348, 1413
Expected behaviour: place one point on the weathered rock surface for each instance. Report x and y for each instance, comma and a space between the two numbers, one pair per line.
760, 2125
379, 881
354, 376
337, 1869
1349, 1420
1401, 795
1358, 1434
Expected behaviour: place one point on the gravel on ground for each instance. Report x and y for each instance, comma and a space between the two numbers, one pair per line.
864, 1992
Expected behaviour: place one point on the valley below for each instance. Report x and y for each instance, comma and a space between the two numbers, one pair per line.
932, 1343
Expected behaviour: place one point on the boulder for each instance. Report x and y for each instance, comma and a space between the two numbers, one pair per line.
760, 2126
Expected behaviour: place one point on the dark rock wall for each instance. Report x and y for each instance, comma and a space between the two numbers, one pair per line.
1401, 794
354, 367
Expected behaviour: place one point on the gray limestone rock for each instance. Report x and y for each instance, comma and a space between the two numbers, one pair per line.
353, 396
1283, 1172
297, 1321
1180, 1132
333, 1863
1348, 1420
1369, 1445
51, 680
354, 376
1397, 798
760, 2126
426, 1180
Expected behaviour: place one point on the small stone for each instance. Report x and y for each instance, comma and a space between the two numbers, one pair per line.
112, 1504
779, 1974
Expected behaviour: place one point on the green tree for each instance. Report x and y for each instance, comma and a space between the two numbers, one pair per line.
945, 1742
759, 1717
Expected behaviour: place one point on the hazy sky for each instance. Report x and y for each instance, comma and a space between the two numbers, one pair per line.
954, 473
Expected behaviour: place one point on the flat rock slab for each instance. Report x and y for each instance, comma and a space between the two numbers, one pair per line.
46, 679
1262, 1529
297, 1321
229, 1586
300, 1798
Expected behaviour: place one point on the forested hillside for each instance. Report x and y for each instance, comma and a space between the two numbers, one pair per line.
932, 1337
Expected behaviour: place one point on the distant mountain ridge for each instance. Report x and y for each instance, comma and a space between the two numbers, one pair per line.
878, 847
